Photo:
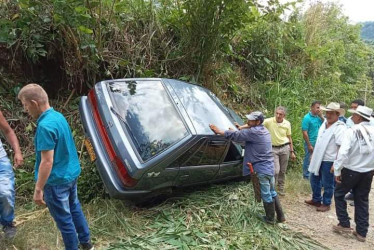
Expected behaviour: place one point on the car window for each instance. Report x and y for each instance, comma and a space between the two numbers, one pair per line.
209, 153
213, 153
234, 153
149, 115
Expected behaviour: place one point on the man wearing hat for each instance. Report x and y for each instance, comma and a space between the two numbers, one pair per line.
258, 151
354, 169
329, 139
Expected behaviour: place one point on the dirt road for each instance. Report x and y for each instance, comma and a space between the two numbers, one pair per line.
304, 218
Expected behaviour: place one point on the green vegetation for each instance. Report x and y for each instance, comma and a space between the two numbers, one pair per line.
249, 54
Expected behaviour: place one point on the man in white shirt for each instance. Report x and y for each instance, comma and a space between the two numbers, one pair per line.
354, 169
354, 105
329, 139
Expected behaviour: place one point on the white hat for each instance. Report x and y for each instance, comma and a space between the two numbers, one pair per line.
334, 106
362, 111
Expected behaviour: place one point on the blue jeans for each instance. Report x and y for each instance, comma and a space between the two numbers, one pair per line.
7, 193
63, 204
267, 187
306, 161
325, 179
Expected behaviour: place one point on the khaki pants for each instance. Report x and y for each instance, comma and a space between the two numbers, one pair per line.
281, 156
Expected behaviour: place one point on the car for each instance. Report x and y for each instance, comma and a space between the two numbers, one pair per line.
148, 136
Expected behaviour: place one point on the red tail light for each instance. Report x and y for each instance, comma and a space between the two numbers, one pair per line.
115, 160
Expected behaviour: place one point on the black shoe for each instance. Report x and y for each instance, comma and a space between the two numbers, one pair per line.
9, 231
87, 246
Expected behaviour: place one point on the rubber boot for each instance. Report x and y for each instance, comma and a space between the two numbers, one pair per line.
270, 212
279, 210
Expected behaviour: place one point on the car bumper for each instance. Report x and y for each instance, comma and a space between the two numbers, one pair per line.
109, 177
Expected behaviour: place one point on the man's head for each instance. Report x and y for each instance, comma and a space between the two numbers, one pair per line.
255, 118
315, 107
361, 114
280, 113
356, 103
333, 111
34, 99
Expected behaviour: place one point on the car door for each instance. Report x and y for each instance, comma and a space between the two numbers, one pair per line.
203, 163
232, 163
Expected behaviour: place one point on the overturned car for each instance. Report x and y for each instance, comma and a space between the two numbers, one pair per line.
149, 136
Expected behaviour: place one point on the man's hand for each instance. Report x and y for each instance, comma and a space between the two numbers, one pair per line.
213, 128
18, 160
237, 125
38, 197
293, 156
338, 179
310, 148
332, 169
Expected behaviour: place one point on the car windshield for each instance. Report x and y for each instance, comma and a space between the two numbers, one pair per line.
148, 115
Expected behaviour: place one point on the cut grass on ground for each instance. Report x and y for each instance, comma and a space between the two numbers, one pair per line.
223, 216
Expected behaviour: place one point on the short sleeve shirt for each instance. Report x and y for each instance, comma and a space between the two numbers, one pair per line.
53, 133
311, 124
279, 132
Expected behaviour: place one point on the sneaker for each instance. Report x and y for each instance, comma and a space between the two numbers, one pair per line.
359, 237
9, 231
313, 203
340, 229
87, 246
349, 197
323, 208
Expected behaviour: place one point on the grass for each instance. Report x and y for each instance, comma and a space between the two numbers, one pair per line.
222, 216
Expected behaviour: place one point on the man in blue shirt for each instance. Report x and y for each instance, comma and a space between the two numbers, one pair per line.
258, 151
56, 168
310, 126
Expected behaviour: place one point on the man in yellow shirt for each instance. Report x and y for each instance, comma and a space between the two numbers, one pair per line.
280, 131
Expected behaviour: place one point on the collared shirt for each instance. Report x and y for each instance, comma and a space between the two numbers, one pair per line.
258, 150
279, 132
349, 122
335, 141
53, 133
2, 150
311, 123
349, 154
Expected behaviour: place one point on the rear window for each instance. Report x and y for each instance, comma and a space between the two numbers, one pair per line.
148, 115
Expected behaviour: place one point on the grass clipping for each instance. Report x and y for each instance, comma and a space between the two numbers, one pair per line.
214, 217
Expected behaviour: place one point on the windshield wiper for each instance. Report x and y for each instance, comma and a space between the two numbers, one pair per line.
127, 125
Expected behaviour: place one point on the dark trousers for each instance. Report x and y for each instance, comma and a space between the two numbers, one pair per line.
360, 183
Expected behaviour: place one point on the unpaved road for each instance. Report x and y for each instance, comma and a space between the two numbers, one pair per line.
304, 218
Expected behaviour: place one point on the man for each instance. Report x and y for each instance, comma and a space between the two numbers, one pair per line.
354, 105
310, 126
7, 192
349, 123
258, 152
354, 169
56, 167
329, 139
282, 146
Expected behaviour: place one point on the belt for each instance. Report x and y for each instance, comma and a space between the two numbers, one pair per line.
281, 146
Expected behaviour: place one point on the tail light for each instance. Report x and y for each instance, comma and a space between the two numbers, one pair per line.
114, 159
